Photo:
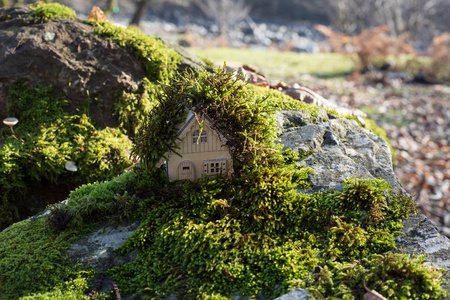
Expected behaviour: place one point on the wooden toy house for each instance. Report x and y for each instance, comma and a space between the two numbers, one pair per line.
203, 152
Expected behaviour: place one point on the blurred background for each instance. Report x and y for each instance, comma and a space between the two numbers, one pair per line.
389, 58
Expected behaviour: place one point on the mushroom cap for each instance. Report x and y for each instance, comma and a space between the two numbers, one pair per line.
10, 121
70, 166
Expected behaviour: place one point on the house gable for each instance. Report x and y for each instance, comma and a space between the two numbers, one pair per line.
194, 140
203, 152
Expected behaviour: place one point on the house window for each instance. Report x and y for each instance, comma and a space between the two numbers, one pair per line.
213, 167
203, 137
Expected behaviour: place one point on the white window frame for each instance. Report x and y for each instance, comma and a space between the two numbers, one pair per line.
203, 137
215, 166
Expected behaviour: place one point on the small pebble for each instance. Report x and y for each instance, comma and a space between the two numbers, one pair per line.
446, 231
447, 220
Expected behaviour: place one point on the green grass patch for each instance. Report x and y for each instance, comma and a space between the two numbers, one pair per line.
283, 66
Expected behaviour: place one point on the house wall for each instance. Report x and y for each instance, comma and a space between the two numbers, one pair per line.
197, 153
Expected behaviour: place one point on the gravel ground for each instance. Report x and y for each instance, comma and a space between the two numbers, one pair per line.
416, 118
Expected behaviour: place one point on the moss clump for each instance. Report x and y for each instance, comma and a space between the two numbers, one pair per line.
33, 253
46, 12
305, 154
281, 101
254, 232
395, 276
248, 122
33, 261
251, 233
46, 138
161, 64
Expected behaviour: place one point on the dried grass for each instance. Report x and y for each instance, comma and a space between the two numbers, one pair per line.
372, 46
439, 52
194, 40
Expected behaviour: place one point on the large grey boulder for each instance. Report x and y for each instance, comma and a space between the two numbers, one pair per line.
339, 149
342, 149
68, 55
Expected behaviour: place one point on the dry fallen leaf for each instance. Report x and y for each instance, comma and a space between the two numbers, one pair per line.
250, 75
97, 15
371, 294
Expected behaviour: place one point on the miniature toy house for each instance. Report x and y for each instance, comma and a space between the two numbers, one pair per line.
203, 152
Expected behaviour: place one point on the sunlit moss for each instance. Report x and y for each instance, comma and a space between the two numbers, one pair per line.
46, 12
46, 138
33, 261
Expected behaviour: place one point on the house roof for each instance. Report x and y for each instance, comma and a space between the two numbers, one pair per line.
187, 125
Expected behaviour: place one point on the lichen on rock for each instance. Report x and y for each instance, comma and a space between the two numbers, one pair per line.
340, 149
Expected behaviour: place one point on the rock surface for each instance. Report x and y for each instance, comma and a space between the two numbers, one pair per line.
340, 150
96, 249
296, 294
68, 55
421, 236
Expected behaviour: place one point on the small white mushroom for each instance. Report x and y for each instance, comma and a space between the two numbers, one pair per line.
10, 122
70, 166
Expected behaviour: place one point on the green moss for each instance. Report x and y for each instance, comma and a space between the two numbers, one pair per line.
246, 120
161, 64
221, 236
132, 109
33, 261
33, 254
395, 276
46, 12
96, 201
305, 154
248, 234
46, 138
280, 101
254, 232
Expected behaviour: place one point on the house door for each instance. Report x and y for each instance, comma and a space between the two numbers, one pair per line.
186, 171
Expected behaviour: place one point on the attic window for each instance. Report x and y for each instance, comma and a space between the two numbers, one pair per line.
203, 137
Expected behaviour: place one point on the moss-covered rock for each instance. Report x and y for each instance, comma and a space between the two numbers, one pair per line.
226, 237
77, 88
247, 235
93, 65
338, 148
